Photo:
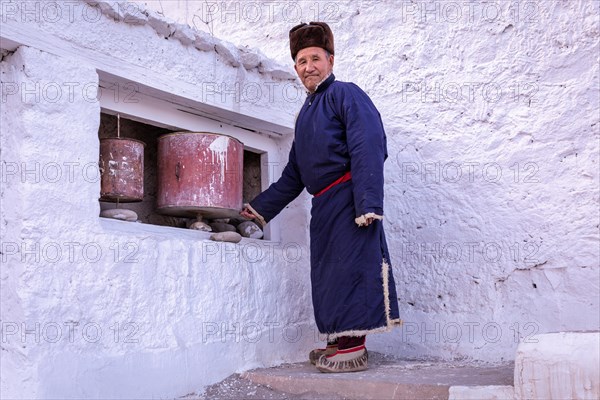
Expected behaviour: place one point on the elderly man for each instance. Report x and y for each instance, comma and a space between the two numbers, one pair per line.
338, 153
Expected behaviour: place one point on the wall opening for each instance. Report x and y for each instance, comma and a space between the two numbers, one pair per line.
147, 133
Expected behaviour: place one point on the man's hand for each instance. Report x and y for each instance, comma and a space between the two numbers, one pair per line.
247, 214
367, 219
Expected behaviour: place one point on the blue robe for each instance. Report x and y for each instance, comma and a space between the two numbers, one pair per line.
339, 130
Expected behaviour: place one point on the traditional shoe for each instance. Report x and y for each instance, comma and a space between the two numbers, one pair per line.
347, 360
314, 355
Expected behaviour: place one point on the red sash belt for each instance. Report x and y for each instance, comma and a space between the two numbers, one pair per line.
344, 178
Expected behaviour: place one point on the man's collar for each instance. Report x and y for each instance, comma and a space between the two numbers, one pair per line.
324, 84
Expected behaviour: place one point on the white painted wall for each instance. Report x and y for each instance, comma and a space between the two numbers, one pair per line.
177, 291
94, 308
491, 110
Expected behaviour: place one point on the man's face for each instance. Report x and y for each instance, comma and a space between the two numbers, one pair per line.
312, 66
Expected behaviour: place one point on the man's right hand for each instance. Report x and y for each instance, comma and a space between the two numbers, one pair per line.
246, 213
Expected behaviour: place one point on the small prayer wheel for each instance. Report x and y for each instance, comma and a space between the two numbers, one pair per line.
122, 170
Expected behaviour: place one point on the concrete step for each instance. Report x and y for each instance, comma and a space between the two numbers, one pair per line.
386, 378
561, 365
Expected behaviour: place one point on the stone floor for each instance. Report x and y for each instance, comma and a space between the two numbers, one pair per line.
387, 378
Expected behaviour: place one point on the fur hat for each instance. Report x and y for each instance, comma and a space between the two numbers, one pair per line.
314, 34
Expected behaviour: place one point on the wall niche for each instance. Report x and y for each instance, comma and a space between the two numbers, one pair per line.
147, 209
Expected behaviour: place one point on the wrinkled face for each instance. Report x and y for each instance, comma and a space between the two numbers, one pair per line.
312, 66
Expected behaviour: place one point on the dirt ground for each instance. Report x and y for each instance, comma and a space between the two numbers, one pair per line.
237, 388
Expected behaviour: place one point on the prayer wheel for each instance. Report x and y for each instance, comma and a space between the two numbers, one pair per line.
121, 170
200, 174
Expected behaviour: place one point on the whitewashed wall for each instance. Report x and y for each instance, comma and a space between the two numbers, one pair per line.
94, 308
491, 110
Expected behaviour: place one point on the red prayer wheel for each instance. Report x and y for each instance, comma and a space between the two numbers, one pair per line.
200, 173
121, 170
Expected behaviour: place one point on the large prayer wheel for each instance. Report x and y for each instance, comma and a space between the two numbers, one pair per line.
200, 174
121, 170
